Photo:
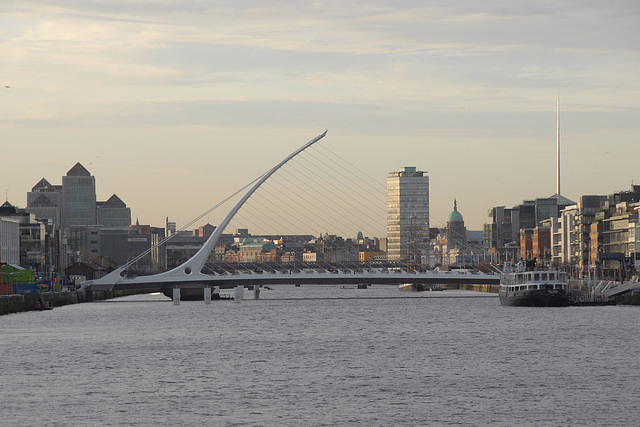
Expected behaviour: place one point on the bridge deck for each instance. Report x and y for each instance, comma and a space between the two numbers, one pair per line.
228, 281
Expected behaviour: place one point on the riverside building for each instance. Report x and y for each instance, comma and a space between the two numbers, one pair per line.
408, 216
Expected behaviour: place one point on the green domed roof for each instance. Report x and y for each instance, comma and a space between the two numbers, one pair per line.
455, 216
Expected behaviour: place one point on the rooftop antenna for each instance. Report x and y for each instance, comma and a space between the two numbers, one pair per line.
558, 143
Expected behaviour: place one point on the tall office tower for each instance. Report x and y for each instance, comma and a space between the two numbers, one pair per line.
79, 197
408, 216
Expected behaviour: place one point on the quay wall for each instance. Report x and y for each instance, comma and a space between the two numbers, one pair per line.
19, 303
629, 298
12, 304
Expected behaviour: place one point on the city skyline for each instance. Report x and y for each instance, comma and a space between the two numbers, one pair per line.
178, 97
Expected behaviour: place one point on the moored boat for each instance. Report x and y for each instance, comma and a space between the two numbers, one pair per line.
531, 287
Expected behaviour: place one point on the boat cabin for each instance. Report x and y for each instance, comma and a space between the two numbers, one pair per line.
536, 279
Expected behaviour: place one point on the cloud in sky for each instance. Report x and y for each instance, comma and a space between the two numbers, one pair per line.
463, 89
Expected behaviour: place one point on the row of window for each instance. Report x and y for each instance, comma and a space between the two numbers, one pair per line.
85, 214
79, 190
535, 287
73, 181
80, 198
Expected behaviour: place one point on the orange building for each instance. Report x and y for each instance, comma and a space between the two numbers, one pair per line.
526, 244
541, 245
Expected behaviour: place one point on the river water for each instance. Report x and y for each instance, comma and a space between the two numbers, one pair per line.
321, 356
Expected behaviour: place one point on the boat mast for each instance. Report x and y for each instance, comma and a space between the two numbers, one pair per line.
558, 143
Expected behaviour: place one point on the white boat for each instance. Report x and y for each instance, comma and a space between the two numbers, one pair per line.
531, 287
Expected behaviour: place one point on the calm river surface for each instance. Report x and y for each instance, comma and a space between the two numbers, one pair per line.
321, 356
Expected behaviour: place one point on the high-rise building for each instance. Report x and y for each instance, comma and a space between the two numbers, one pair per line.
78, 197
408, 216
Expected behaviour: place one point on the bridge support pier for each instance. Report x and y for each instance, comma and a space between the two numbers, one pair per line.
176, 296
238, 293
256, 291
207, 295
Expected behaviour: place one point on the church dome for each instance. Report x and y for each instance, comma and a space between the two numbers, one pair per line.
455, 216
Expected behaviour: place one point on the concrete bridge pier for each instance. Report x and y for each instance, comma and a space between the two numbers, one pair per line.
256, 291
207, 295
238, 293
176, 296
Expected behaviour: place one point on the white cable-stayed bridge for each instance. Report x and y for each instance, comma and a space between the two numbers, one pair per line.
311, 190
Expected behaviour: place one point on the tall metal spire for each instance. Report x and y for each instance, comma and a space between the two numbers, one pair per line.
558, 143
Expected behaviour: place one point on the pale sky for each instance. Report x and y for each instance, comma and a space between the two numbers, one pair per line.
173, 105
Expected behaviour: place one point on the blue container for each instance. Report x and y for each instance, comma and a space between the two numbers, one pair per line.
25, 288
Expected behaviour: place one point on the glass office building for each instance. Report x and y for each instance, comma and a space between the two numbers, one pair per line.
408, 216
